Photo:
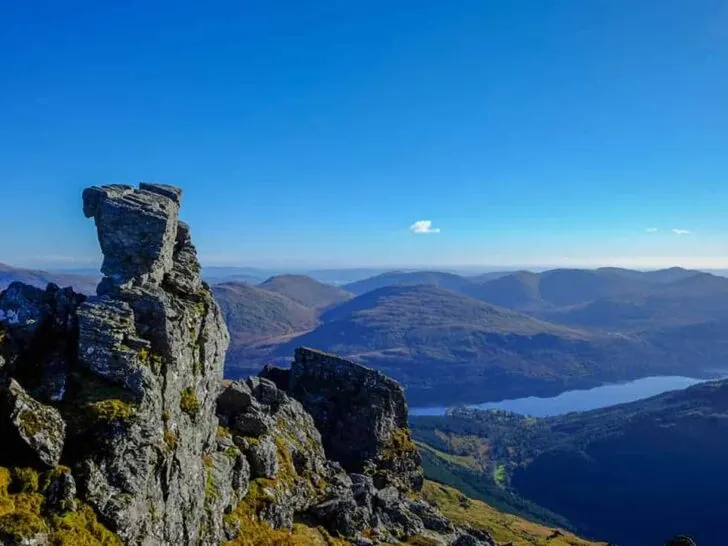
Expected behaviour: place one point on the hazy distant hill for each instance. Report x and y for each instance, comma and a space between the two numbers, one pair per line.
426, 306
519, 290
449, 281
633, 474
253, 313
668, 275
695, 299
81, 283
530, 291
306, 291
255, 275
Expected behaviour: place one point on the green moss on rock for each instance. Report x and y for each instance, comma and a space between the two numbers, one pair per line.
189, 403
170, 439
25, 480
22, 518
17, 526
111, 410
401, 445
30, 422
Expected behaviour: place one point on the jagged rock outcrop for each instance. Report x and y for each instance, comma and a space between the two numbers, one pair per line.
155, 333
371, 473
134, 372
361, 414
37, 337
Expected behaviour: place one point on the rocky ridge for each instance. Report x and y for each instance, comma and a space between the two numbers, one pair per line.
120, 429
117, 426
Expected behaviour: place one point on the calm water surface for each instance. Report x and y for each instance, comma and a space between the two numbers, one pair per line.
581, 400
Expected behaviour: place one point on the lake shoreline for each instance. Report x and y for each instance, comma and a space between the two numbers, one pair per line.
581, 399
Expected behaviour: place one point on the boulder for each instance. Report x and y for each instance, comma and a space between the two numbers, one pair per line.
263, 458
137, 230
33, 432
361, 415
59, 491
279, 376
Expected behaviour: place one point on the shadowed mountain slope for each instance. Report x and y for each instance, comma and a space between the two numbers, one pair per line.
253, 313
633, 473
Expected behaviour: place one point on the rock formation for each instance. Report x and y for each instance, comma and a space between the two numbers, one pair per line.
117, 427
133, 374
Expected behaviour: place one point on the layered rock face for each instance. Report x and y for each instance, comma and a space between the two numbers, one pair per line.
154, 333
122, 387
361, 414
328, 444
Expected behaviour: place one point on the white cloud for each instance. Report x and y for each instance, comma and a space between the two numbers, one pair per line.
651, 230
681, 231
423, 226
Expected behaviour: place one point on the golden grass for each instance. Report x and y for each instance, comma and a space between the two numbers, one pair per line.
21, 515
505, 528
465, 461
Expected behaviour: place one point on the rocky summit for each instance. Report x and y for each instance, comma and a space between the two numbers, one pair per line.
117, 426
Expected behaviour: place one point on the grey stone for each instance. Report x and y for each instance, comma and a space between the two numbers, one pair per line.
431, 519
363, 489
265, 391
388, 497
172, 192
235, 397
279, 376
467, 540
263, 457
37, 328
137, 230
156, 333
253, 422
338, 515
60, 491
107, 335
361, 414
32, 432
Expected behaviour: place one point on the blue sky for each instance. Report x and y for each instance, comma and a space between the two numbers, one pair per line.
318, 133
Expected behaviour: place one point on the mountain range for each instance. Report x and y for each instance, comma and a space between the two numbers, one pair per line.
454, 339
